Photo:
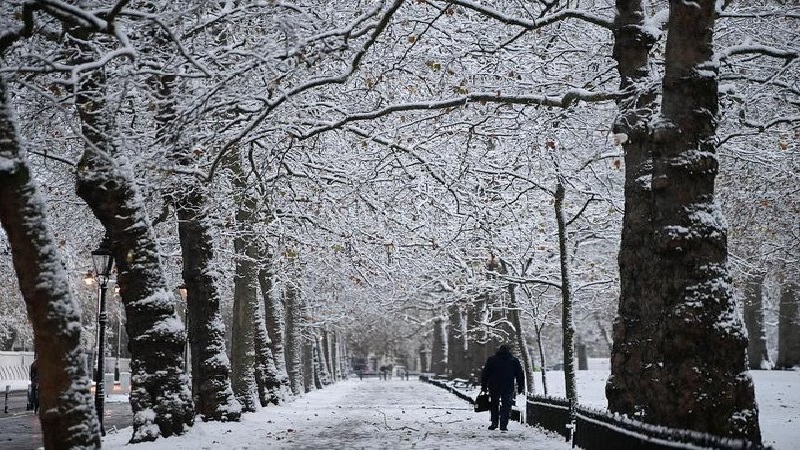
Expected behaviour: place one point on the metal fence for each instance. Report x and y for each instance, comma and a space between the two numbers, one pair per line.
550, 413
601, 430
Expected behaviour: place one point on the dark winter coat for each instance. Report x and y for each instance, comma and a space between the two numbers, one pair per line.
500, 371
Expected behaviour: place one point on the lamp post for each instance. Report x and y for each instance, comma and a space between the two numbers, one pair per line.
119, 333
103, 262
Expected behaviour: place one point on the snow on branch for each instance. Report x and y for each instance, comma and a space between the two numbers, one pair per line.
566, 100
537, 23
67, 14
756, 49
309, 85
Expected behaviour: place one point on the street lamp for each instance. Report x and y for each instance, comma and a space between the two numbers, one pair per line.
119, 333
103, 261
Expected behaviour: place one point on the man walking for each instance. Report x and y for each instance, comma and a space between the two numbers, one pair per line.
498, 377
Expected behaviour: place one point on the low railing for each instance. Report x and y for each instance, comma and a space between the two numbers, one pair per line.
601, 430
550, 413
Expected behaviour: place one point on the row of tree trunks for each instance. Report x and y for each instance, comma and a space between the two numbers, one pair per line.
55, 315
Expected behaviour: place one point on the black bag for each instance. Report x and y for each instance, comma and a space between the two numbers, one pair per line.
482, 402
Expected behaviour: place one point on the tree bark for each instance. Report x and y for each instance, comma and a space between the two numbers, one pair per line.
789, 326
323, 369
567, 322
294, 339
456, 344
439, 348
244, 308
160, 395
274, 317
635, 348
266, 375
757, 354
64, 383
519, 335
542, 356
701, 342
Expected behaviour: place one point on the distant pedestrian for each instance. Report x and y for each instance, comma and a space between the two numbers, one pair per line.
33, 399
498, 376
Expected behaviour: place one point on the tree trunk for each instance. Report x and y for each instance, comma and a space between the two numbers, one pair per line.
439, 348
757, 354
635, 348
336, 357
477, 338
294, 339
542, 356
266, 375
245, 305
323, 369
274, 321
789, 326
702, 347
64, 383
160, 395
456, 348
310, 375
567, 322
519, 335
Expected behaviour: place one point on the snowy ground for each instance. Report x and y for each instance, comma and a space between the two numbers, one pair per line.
410, 414
353, 414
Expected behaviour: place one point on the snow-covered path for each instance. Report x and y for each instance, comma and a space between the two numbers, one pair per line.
354, 414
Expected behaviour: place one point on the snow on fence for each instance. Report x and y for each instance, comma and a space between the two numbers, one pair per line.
550, 413
601, 430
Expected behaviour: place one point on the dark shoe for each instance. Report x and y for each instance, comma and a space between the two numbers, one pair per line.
503, 429
492, 427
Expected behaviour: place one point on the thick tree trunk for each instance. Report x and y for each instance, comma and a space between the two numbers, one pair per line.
456, 343
244, 309
274, 322
323, 369
634, 350
702, 344
211, 384
789, 326
439, 348
757, 354
294, 339
310, 375
266, 375
64, 383
160, 395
